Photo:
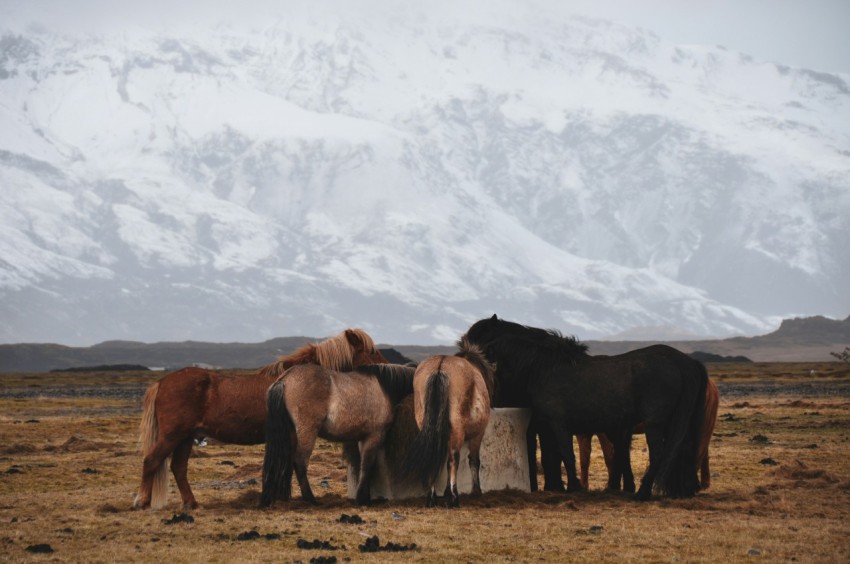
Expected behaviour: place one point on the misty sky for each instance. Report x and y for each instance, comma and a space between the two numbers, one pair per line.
811, 33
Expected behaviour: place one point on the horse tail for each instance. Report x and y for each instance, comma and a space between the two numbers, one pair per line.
280, 433
677, 476
148, 436
430, 447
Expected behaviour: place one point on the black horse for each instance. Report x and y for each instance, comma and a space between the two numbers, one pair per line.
571, 392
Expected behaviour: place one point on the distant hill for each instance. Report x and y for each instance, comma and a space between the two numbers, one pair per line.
800, 339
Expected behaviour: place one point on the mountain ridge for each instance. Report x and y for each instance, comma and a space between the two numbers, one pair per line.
218, 185
811, 339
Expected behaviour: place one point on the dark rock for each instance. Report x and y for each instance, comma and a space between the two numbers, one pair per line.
40, 548
248, 535
315, 544
181, 518
373, 544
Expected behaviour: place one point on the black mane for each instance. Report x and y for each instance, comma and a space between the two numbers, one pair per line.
395, 379
487, 331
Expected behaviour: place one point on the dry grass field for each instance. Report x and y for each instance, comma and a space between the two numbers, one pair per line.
69, 468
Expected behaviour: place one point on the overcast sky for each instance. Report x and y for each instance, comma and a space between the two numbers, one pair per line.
810, 33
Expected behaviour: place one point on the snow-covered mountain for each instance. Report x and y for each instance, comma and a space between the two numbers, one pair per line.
410, 175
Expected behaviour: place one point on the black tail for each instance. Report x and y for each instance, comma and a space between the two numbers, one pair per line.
429, 450
677, 476
280, 435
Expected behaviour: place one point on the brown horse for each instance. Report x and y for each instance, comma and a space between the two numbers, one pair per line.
452, 396
712, 400
312, 401
195, 402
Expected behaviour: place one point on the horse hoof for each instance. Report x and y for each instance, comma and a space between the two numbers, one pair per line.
139, 505
643, 495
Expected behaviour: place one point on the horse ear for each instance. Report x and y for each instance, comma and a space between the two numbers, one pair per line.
494, 318
353, 338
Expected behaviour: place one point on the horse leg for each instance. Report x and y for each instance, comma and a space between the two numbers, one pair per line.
584, 458
431, 500
531, 449
180, 468
616, 448
573, 483
368, 454
704, 472
154, 476
475, 463
655, 443
608, 454
303, 449
452, 497
564, 441
551, 461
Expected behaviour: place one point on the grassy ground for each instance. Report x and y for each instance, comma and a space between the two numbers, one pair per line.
780, 490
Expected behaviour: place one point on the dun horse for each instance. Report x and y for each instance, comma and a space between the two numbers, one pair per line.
312, 401
572, 392
452, 396
195, 402
712, 399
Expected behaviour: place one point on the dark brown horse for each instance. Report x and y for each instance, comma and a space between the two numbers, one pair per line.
712, 400
571, 392
452, 396
312, 401
196, 402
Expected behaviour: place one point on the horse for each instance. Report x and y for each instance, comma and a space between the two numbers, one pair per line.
193, 402
452, 398
712, 400
310, 401
570, 392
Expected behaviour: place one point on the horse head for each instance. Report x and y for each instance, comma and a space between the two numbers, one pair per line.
483, 331
362, 348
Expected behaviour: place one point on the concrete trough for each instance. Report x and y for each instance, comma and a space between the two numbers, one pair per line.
504, 459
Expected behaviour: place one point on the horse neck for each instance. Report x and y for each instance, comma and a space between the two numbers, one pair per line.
396, 381
304, 355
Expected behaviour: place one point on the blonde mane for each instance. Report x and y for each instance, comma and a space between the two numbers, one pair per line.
334, 353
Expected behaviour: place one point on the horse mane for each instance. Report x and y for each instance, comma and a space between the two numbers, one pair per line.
475, 356
395, 379
333, 353
544, 338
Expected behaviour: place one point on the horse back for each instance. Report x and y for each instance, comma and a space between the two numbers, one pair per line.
344, 406
182, 398
661, 375
468, 397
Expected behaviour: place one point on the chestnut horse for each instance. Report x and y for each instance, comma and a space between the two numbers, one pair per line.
712, 399
312, 401
452, 396
196, 402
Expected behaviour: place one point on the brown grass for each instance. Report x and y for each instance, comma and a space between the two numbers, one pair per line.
69, 470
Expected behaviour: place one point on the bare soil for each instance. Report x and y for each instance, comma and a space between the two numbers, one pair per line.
69, 468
